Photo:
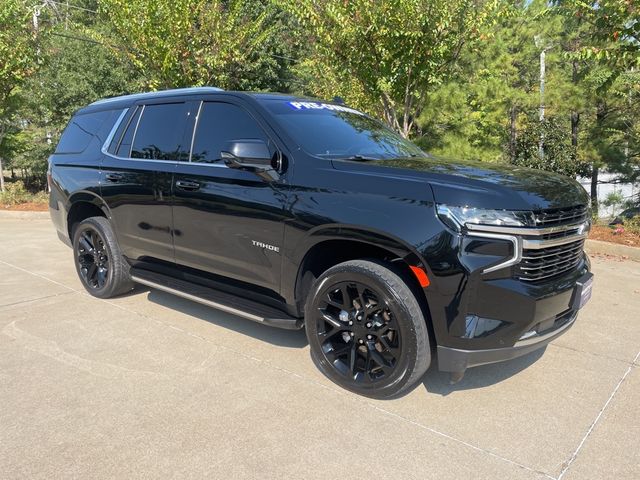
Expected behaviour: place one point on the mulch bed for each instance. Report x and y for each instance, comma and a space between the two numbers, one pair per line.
27, 207
608, 234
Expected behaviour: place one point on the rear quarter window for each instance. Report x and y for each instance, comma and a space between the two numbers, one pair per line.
80, 131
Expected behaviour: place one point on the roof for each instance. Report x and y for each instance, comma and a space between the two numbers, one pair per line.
126, 100
159, 94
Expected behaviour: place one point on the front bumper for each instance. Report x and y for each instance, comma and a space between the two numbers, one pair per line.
458, 360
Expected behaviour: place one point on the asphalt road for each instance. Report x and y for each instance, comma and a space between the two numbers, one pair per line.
153, 386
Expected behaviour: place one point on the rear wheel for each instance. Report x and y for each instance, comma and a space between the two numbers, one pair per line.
366, 330
102, 270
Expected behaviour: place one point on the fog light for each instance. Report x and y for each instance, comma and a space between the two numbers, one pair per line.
480, 327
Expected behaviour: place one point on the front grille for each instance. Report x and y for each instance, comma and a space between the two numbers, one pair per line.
561, 234
561, 216
538, 264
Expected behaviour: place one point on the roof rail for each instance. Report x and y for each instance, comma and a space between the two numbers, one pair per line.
159, 93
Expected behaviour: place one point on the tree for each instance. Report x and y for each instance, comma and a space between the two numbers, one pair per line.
559, 155
178, 43
478, 110
17, 60
614, 27
388, 54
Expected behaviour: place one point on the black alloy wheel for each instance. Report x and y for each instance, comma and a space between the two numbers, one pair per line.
366, 329
93, 258
359, 332
102, 268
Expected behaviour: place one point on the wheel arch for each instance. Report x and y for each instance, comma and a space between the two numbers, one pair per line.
332, 245
83, 205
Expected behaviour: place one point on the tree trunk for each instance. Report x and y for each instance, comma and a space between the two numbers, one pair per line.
2, 133
575, 121
513, 133
1, 177
575, 116
594, 190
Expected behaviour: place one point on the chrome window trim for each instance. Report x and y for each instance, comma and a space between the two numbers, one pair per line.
517, 249
195, 128
193, 139
135, 132
112, 133
106, 144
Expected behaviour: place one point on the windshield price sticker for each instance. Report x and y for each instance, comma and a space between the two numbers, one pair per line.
322, 106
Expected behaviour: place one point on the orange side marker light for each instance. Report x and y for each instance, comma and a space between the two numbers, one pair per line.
421, 275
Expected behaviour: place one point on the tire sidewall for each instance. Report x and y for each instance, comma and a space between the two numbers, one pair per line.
108, 287
407, 362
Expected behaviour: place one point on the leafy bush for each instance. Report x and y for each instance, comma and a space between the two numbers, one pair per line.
632, 225
16, 193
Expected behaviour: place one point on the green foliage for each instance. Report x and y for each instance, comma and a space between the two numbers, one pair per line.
18, 55
15, 193
197, 42
478, 111
461, 76
632, 225
614, 31
384, 57
558, 154
613, 200
17, 46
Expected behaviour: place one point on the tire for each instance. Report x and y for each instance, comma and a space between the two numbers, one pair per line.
103, 271
380, 351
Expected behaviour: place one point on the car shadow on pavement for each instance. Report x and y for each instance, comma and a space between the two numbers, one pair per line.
265, 333
478, 377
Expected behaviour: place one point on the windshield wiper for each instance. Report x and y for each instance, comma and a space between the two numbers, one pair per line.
359, 158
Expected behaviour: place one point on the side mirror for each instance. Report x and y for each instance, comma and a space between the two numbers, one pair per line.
253, 154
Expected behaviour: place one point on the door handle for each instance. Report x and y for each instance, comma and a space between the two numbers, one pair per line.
113, 177
187, 185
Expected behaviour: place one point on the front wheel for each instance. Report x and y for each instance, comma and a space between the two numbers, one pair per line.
366, 330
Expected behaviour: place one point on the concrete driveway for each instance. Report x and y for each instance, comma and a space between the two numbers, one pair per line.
153, 386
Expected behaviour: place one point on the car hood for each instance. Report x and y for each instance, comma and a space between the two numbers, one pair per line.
482, 185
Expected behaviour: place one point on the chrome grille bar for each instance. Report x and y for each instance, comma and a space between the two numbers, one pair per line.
553, 247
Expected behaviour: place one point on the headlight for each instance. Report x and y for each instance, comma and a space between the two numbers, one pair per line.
456, 217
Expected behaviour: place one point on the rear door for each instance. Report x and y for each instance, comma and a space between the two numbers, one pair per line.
137, 175
228, 221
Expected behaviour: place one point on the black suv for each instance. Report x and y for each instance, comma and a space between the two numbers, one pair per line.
296, 212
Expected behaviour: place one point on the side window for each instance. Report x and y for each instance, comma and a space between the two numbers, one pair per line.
123, 147
80, 131
160, 132
218, 124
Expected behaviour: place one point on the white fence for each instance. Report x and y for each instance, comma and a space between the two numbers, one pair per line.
628, 190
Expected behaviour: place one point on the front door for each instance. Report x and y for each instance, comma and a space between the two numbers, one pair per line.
228, 221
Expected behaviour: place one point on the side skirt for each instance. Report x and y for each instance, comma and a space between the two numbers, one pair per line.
217, 299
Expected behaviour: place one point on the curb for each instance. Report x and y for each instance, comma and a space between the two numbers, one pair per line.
22, 215
606, 248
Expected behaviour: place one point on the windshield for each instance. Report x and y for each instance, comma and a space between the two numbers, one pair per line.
337, 131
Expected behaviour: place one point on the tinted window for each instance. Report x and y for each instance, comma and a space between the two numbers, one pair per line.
124, 145
160, 132
219, 124
337, 131
80, 131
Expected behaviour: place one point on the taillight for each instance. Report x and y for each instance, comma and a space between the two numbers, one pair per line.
49, 177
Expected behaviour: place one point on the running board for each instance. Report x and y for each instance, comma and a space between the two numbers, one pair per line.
217, 299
